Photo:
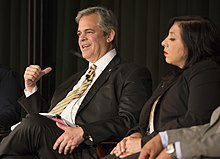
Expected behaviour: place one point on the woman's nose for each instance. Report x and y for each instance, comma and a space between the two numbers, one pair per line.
163, 43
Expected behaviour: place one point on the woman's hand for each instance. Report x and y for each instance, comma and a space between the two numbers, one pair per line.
127, 146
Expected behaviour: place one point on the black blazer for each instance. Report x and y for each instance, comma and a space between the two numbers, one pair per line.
187, 100
10, 91
112, 105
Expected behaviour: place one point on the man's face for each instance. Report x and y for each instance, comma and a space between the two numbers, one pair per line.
92, 41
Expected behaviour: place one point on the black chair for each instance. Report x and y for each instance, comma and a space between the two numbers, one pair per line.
105, 148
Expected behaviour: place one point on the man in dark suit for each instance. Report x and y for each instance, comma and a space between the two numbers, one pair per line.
194, 142
10, 91
107, 108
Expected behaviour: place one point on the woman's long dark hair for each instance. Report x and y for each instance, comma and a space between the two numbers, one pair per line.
201, 38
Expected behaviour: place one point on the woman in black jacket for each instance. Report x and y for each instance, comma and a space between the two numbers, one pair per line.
188, 95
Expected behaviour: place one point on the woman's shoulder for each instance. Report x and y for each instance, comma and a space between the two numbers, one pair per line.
205, 64
206, 67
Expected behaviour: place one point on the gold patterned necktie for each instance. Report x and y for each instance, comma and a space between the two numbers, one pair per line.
76, 93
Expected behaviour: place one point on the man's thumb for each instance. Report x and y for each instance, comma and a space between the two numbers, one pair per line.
46, 70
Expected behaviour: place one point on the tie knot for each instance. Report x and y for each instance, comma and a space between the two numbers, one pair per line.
91, 72
92, 69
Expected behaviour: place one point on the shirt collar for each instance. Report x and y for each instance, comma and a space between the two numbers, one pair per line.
104, 60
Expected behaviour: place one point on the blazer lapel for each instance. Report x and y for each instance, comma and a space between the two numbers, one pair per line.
161, 90
100, 81
214, 125
215, 116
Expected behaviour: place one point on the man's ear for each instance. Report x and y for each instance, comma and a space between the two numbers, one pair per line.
110, 36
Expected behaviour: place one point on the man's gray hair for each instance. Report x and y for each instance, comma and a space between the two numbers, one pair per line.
107, 20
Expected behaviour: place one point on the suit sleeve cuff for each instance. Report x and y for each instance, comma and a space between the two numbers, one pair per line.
87, 137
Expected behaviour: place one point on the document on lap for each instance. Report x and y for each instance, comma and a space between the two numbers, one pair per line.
54, 117
58, 118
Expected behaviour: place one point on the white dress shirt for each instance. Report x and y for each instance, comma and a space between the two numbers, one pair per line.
70, 111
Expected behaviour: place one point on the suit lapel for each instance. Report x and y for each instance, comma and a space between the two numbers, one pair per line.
214, 123
215, 116
161, 90
100, 81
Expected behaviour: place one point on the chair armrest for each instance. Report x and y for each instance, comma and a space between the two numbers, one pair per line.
105, 147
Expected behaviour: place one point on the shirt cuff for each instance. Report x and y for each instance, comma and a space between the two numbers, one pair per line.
164, 138
178, 150
27, 93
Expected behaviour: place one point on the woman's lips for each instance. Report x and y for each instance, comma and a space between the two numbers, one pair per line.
165, 53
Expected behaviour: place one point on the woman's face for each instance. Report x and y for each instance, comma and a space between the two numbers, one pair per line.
174, 50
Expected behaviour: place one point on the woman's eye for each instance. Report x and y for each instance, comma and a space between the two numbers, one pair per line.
172, 39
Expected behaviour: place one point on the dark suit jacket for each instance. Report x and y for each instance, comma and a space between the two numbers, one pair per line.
10, 91
112, 105
198, 141
187, 100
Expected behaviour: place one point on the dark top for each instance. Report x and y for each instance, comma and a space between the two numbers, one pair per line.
10, 91
187, 100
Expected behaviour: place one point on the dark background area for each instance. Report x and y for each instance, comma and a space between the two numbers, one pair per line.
43, 32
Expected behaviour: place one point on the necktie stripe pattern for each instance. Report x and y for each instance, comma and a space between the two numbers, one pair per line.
76, 93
